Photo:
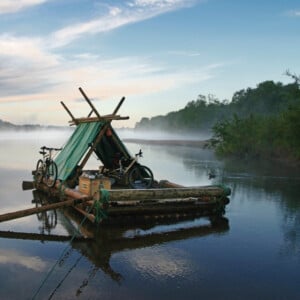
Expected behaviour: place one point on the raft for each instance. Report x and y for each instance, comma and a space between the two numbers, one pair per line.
112, 192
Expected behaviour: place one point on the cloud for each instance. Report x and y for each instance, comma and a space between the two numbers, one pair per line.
12, 6
294, 13
29, 262
34, 72
25, 65
160, 263
117, 16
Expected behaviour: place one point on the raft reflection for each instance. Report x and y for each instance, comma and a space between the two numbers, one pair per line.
100, 243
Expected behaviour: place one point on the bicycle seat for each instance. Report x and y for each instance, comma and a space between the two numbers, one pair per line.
42, 152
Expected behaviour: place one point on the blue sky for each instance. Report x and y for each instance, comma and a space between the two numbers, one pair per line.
159, 54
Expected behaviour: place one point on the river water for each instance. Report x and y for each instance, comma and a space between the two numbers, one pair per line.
252, 253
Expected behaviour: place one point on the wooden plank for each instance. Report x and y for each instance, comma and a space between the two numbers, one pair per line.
89, 102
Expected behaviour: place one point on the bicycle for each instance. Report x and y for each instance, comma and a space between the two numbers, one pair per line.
135, 174
46, 168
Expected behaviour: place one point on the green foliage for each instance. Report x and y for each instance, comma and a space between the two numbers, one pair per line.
256, 136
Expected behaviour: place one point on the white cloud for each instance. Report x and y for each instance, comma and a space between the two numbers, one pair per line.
160, 263
29, 262
12, 6
294, 13
117, 16
25, 65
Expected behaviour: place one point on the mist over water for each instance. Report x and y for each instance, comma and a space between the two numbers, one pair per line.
161, 135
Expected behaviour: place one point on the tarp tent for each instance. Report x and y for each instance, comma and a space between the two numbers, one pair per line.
92, 135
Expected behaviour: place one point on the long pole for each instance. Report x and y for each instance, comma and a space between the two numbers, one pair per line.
35, 210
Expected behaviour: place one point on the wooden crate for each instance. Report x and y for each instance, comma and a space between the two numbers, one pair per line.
91, 187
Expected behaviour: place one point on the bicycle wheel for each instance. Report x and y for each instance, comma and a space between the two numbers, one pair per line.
39, 171
140, 177
51, 174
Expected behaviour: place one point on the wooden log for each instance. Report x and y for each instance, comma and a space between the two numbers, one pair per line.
168, 184
35, 210
167, 193
204, 208
89, 216
156, 202
28, 185
103, 118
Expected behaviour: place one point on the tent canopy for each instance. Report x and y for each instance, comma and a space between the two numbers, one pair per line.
92, 134
109, 147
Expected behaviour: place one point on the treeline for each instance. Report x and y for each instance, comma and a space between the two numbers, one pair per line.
268, 98
7, 126
262, 121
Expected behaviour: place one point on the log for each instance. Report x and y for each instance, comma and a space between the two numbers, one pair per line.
35, 210
39, 237
167, 193
28, 185
92, 119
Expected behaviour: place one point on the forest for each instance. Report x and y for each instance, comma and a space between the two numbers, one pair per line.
258, 122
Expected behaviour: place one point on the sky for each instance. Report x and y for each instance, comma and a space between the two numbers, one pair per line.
159, 54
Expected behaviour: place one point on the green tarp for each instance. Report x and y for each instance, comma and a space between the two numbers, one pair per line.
75, 148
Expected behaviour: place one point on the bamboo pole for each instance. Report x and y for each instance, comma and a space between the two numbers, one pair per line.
35, 210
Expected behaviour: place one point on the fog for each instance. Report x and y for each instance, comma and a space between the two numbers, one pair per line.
60, 136
161, 135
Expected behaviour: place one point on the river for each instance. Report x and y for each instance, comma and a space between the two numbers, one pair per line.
254, 253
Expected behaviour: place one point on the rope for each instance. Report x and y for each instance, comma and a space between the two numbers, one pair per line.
62, 189
101, 213
60, 258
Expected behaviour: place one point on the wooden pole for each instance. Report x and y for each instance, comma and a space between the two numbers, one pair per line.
89, 102
93, 147
35, 210
68, 111
118, 106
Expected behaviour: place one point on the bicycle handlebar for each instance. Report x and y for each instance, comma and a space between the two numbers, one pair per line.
50, 149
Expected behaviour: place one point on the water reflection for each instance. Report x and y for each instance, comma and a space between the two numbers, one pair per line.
107, 241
